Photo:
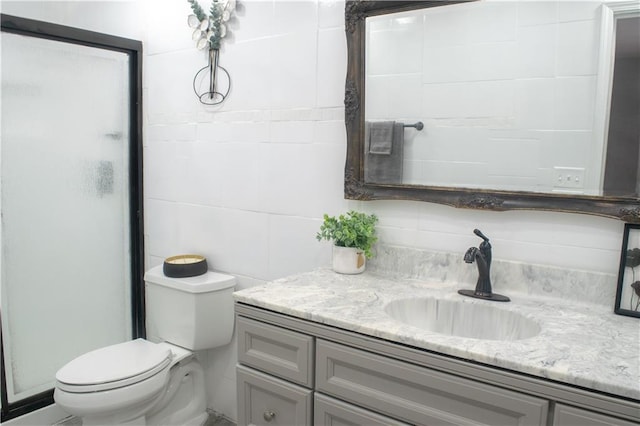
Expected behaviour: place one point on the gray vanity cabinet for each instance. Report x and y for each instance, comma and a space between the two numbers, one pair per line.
266, 399
419, 395
571, 416
333, 412
295, 372
278, 351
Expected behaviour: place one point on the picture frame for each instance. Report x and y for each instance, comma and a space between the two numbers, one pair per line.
628, 291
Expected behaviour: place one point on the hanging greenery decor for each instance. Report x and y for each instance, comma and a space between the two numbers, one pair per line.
210, 30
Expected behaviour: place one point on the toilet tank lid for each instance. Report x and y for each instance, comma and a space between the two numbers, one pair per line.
207, 282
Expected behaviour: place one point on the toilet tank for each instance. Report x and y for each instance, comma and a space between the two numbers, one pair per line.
194, 312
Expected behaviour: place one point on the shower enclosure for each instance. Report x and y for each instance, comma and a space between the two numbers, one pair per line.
70, 168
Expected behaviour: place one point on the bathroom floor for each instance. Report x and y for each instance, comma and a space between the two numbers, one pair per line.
213, 420
69, 421
218, 420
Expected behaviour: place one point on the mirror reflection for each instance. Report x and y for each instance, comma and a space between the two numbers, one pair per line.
530, 96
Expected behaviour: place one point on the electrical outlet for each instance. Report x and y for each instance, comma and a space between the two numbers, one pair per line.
569, 177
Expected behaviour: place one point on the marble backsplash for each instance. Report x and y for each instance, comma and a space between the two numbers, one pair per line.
506, 277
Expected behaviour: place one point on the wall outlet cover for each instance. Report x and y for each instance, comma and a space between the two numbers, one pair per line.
569, 177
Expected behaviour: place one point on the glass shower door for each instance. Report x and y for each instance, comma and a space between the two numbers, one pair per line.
65, 203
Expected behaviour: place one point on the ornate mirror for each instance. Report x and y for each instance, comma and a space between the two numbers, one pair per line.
495, 105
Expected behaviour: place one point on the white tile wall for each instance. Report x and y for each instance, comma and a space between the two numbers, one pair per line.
576, 54
536, 50
406, 97
246, 183
405, 29
579, 10
535, 104
331, 67
537, 12
574, 103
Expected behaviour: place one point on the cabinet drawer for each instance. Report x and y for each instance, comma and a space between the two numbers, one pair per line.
284, 353
328, 411
417, 394
266, 400
565, 415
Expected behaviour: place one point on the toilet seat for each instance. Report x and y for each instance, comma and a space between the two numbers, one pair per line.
114, 367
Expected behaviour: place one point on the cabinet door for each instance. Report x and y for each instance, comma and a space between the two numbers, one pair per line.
269, 401
328, 411
417, 394
572, 416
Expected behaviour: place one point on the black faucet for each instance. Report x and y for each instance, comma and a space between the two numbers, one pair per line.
482, 257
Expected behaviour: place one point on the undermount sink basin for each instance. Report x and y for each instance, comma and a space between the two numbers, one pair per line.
462, 319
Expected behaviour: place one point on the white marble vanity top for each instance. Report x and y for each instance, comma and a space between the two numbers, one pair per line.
579, 343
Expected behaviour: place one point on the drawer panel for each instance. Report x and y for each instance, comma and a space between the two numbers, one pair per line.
565, 415
284, 353
328, 411
417, 394
268, 401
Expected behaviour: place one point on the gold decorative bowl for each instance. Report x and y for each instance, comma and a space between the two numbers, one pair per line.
184, 265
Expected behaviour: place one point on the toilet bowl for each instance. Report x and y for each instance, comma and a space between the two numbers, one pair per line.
141, 382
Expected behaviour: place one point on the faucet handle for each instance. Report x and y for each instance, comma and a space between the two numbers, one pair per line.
481, 235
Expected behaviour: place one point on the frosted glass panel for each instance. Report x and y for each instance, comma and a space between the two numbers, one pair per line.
65, 227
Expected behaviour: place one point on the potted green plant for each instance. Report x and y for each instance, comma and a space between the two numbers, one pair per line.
353, 235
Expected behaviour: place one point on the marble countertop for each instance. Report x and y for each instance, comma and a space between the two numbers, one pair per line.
579, 343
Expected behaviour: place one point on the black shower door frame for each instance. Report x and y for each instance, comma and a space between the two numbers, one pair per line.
133, 48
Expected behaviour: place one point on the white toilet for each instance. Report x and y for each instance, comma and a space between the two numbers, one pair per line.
144, 383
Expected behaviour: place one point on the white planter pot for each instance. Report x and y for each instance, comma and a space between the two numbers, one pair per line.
348, 260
